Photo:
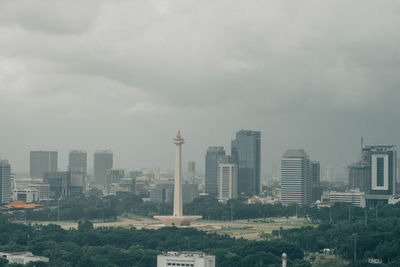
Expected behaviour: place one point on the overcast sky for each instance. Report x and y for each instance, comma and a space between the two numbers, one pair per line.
125, 75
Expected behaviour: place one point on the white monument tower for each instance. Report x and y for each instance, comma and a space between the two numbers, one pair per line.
178, 141
177, 219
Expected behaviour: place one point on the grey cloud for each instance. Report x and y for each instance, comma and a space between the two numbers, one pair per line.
138, 66
54, 17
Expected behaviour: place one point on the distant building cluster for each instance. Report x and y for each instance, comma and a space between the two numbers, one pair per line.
227, 176
375, 174
370, 181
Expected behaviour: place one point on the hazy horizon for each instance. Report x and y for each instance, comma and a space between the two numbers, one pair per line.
125, 75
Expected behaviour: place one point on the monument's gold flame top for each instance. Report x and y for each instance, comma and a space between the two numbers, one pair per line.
178, 135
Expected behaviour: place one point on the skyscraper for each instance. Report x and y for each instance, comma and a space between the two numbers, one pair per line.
42, 161
114, 176
246, 152
315, 172
191, 167
358, 175
213, 158
227, 181
59, 183
78, 160
6, 193
103, 161
315, 181
382, 161
296, 177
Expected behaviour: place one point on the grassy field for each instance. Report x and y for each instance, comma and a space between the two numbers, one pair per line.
249, 229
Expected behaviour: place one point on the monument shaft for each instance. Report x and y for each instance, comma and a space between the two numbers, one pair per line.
178, 210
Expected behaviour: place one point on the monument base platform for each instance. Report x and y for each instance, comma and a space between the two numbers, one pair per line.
177, 220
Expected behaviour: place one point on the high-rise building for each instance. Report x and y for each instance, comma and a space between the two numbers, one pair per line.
59, 182
194, 259
103, 161
42, 161
78, 160
189, 192
329, 174
114, 176
296, 177
191, 166
246, 152
382, 161
77, 185
315, 172
358, 175
213, 157
6, 193
315, 181
227, 181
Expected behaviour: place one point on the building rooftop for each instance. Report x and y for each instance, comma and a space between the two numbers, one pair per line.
185, 254
295, 153
19, 204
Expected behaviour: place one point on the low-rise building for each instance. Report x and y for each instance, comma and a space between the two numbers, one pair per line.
42, 190
355, 197
190, 259
22, 257
26, 195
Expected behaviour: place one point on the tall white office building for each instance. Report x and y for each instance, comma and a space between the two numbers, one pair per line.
6, 193
296, 177
227, 181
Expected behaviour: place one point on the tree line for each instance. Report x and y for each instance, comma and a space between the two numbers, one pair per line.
88, 246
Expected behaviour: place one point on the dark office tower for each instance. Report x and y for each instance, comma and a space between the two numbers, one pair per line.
246, 152
103, 161
191, 166
382, 161
315, 181
78, 160
296, 177
315, 172
213, 155
42, 161
5, 182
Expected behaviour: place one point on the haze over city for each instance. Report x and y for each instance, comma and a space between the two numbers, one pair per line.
125, 75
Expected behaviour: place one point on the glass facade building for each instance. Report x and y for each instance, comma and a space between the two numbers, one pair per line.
246, 153
42, 161
214, 156
103, 161
78, 160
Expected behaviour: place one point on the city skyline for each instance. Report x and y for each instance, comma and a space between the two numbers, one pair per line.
268, 170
